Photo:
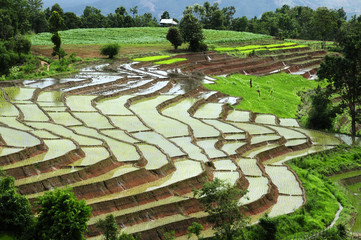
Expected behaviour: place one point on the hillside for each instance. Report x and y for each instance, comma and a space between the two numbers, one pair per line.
175, 8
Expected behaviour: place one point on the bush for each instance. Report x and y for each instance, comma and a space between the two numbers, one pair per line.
110, 50
174, 37
322, 113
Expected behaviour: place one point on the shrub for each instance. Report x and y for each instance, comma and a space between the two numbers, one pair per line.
15, 210
174, 37
110, 50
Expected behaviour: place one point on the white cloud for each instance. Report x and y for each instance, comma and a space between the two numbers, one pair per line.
149, 4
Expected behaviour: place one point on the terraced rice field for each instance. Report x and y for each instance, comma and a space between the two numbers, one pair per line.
139, 156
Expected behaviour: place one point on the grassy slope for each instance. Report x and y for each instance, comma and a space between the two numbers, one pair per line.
136, 36
322, 195
284, 100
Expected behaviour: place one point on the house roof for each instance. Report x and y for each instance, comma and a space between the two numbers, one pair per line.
168, 21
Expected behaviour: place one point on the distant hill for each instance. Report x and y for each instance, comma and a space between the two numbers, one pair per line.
249, 8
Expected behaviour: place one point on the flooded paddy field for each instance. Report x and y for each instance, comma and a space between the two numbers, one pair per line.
135, 142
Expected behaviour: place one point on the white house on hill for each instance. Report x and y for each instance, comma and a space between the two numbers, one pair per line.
168, 22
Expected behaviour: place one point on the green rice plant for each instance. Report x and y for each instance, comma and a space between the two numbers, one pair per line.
279, 92
170, 61
286, 48
151, 58
281, 45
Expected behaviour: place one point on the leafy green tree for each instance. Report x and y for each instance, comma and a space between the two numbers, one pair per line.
110, 50
134, 11
174, 37
191, 31
61, 216
109, 227
240, 24
15, 210
92, 18
324, 22
165, 15
195, 229
56, 24
344, 72
71, 20
322, 112
169, 235
21, 45
220, 201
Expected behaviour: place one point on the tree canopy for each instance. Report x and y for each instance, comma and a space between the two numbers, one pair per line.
220, 200
15, 210
344, 72
61, 216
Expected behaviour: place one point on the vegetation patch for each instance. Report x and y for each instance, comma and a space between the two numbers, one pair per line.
137, 35
275, 94
151, 58
170, 61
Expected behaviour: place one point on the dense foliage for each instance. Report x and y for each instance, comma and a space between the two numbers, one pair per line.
220, 200
61, 216
110, 50
191, 31
15, 210
174, 37
344, 72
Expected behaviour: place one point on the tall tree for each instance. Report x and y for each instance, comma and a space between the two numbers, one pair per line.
220, 201
191, 31
61, 216
92, 18
56, 23
108, 227
165, 15
174, 37
324, 22
71, 20
344, 72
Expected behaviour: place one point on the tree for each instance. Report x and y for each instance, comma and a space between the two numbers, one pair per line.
134, 11
110, 50
15, 210
174, 37
61, 216
324, 22
344, 72
191, 31
220, 201
195, 229
71, 20
165, 15
322, 112
109, 227
92, 18
56, 24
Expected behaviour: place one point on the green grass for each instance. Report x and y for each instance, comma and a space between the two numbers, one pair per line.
137, 36
337, 161
151, 58
283, 102
170, 61
343, 159
319, 210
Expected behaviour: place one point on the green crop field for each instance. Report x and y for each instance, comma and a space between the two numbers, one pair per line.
278, 92
137, 36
